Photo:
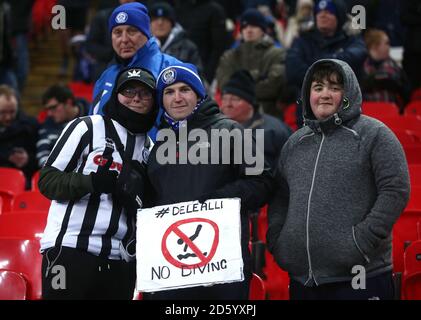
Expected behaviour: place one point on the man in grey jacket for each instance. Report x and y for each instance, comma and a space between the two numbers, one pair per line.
342, 184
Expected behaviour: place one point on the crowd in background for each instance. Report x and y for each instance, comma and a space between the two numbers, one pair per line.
275, 41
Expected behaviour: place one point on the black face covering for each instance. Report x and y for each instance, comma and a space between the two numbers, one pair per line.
132, 121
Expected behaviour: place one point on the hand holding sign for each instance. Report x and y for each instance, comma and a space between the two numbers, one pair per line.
189, 244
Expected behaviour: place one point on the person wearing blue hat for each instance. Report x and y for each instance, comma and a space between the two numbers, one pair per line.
134, 46
187, 107
171, 36
331, 38
258, 54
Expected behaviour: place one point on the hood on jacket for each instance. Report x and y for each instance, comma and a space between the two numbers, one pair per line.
352, 99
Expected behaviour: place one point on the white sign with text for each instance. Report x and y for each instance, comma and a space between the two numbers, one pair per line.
189, 244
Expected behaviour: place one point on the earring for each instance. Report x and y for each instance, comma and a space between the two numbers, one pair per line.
345, 103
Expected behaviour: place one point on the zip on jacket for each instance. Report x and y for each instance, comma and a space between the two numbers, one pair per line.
310, 271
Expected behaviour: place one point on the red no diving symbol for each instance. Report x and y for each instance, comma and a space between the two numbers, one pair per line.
188, 242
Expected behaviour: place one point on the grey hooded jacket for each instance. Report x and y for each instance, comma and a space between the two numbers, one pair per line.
342, 184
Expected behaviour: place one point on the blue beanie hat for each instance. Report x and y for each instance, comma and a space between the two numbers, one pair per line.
335, 7
133, 14
327, 5
253, 17
180, 72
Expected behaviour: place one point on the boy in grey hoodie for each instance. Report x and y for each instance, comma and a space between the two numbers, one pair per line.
342, 184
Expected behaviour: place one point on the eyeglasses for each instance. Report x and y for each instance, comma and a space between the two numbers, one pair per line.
143, 94
52, 107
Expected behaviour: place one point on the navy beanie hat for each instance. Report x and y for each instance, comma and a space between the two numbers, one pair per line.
133, 14
241, 84
335, 7
162, 9
181, 72
253, 17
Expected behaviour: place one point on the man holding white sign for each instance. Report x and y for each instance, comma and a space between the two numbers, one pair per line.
201, 170
189, 244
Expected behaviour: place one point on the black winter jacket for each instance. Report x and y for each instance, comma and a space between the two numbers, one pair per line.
174, 183
22, 133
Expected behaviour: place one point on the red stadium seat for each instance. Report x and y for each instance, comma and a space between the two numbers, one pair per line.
411, 285
412, 123
415, 174
30, 201
29, 225
413, 108
34, 181
42, 116
41, 15
290, 117
22, 256
408, 138
404, 232
416, 94
82, 90
12, 182
257, 288
382, 109
12, 286
413, 154
414, 199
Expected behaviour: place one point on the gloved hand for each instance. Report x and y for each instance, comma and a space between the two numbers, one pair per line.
217, 194
130, 187
105, 180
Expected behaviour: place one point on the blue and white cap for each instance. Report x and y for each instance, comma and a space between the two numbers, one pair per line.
133, 14
181, 72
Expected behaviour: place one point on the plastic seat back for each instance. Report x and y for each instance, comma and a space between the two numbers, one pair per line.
29, 225
404, 232
412, 123
290, 117
414, 198
34, 181
379, 108
12, 182
22, 256
30, 201
413, 154
411, 288
415, 174
408, 138
416, 94
413, 108
12, 286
